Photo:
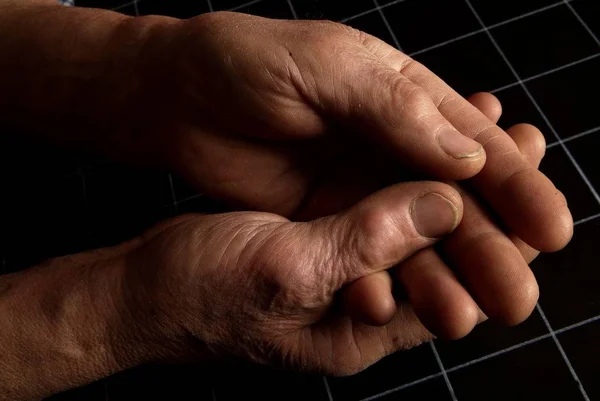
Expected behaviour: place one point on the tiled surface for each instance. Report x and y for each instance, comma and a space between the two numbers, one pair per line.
98, 203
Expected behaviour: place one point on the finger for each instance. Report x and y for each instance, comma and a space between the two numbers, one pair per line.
525, 199
368, 299
493, 278
438, 298
488, 104
491, 266
387, 107
372, 343
382, 230
530, 141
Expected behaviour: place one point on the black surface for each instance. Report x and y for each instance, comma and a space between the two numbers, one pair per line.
492, 12
330, 9
589, 10
584, 151
372, 23
487, 339
567, 97
570, 279
391, 372
476, 65
558, 38
95, 203
583, 348
517, 108
431, 390
422, 23
534, 372
557, 167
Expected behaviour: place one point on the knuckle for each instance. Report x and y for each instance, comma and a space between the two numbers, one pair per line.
379, 238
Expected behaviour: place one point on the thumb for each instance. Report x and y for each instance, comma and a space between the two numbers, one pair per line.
383, 229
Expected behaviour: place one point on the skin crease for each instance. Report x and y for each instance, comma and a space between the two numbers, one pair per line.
441, 302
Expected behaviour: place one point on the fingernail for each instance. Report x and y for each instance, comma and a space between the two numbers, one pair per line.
457, 145
434, 215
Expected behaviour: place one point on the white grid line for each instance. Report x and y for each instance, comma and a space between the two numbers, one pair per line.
135, 7
497, 353
485, 358
535, 103
542, 74
213, 393
327, 389
572, 137
508, 21
443, 370
585, 220
562, 352
585, 26
292, 9
579, 324
210, 6
370, 11
402, 387
244, 5
387, 25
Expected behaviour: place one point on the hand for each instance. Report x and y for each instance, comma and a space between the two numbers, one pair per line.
259, 286
492, 264
268, 113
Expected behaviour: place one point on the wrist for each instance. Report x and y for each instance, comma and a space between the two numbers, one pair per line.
69, 314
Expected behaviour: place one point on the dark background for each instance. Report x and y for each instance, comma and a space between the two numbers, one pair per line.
540, 57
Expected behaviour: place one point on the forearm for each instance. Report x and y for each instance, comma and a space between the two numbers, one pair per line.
65, 324
71, 74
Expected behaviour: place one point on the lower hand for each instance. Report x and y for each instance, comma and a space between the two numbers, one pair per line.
259, 286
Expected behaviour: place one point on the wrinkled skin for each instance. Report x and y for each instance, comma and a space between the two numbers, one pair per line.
311, 136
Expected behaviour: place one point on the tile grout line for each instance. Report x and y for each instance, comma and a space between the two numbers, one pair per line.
327, 389
135, 8
443, 370
210, 6
586, 219
535, 103
402, 387
582, 22
562, 352
543, 74
292, 9
387, 25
